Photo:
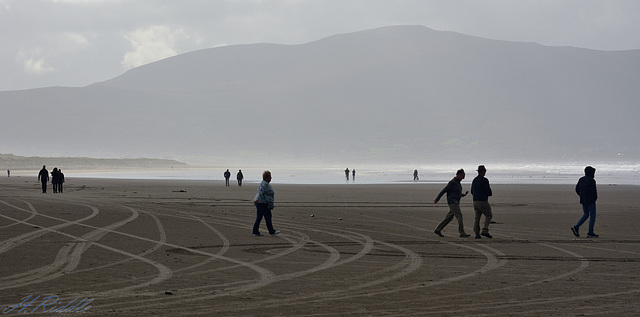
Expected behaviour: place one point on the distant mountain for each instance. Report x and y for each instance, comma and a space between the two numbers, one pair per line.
393, 94
34, 162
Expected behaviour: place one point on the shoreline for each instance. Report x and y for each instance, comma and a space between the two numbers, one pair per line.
358, 182
565, 173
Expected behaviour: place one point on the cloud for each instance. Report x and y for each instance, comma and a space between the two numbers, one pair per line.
37, 66
33, 63
77, 39
52, 53
152, 44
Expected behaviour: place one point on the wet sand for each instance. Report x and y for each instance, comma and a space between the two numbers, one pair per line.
184, 248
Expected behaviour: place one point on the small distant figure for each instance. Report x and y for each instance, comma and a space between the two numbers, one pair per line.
586, 189
481, 192
55, 179
346, 173
60, 180
227, 175
8, 173
415, 175
454, 194
43, 177
353, 174
264, 205
239, 177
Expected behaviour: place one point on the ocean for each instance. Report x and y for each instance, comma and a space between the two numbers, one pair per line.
512, 173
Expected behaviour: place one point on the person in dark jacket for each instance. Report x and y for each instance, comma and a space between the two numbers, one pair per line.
481, 192
454, 194
43, 177
586, 189
239, 177
227, 175
60, 180
55, 179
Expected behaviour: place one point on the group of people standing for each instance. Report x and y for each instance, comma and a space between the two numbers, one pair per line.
57, 179
239, 177
353, 173
481, 191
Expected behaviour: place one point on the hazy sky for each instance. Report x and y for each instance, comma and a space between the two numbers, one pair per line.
79, 42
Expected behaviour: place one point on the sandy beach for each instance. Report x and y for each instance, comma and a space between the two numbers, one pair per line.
184, 248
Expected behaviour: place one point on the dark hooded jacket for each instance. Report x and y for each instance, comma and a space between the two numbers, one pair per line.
586, 187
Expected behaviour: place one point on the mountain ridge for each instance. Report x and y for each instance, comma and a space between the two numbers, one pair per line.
404, 93
34, 162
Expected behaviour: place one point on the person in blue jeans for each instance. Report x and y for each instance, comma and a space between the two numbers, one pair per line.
264, 204
586, 189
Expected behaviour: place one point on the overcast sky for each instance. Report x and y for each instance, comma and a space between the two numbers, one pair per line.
80, 42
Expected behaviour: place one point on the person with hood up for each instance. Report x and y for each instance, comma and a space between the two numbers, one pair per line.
586, 189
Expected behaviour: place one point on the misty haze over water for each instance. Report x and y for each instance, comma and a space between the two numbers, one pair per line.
565, 173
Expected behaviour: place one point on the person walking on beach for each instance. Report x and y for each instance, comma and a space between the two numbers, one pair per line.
346, 173
353, 174
227, 175
54, 179
60, 180
454, 194
264, 204
57, 178
415, 175
43, 177
481, 192
586, 189
239, 177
